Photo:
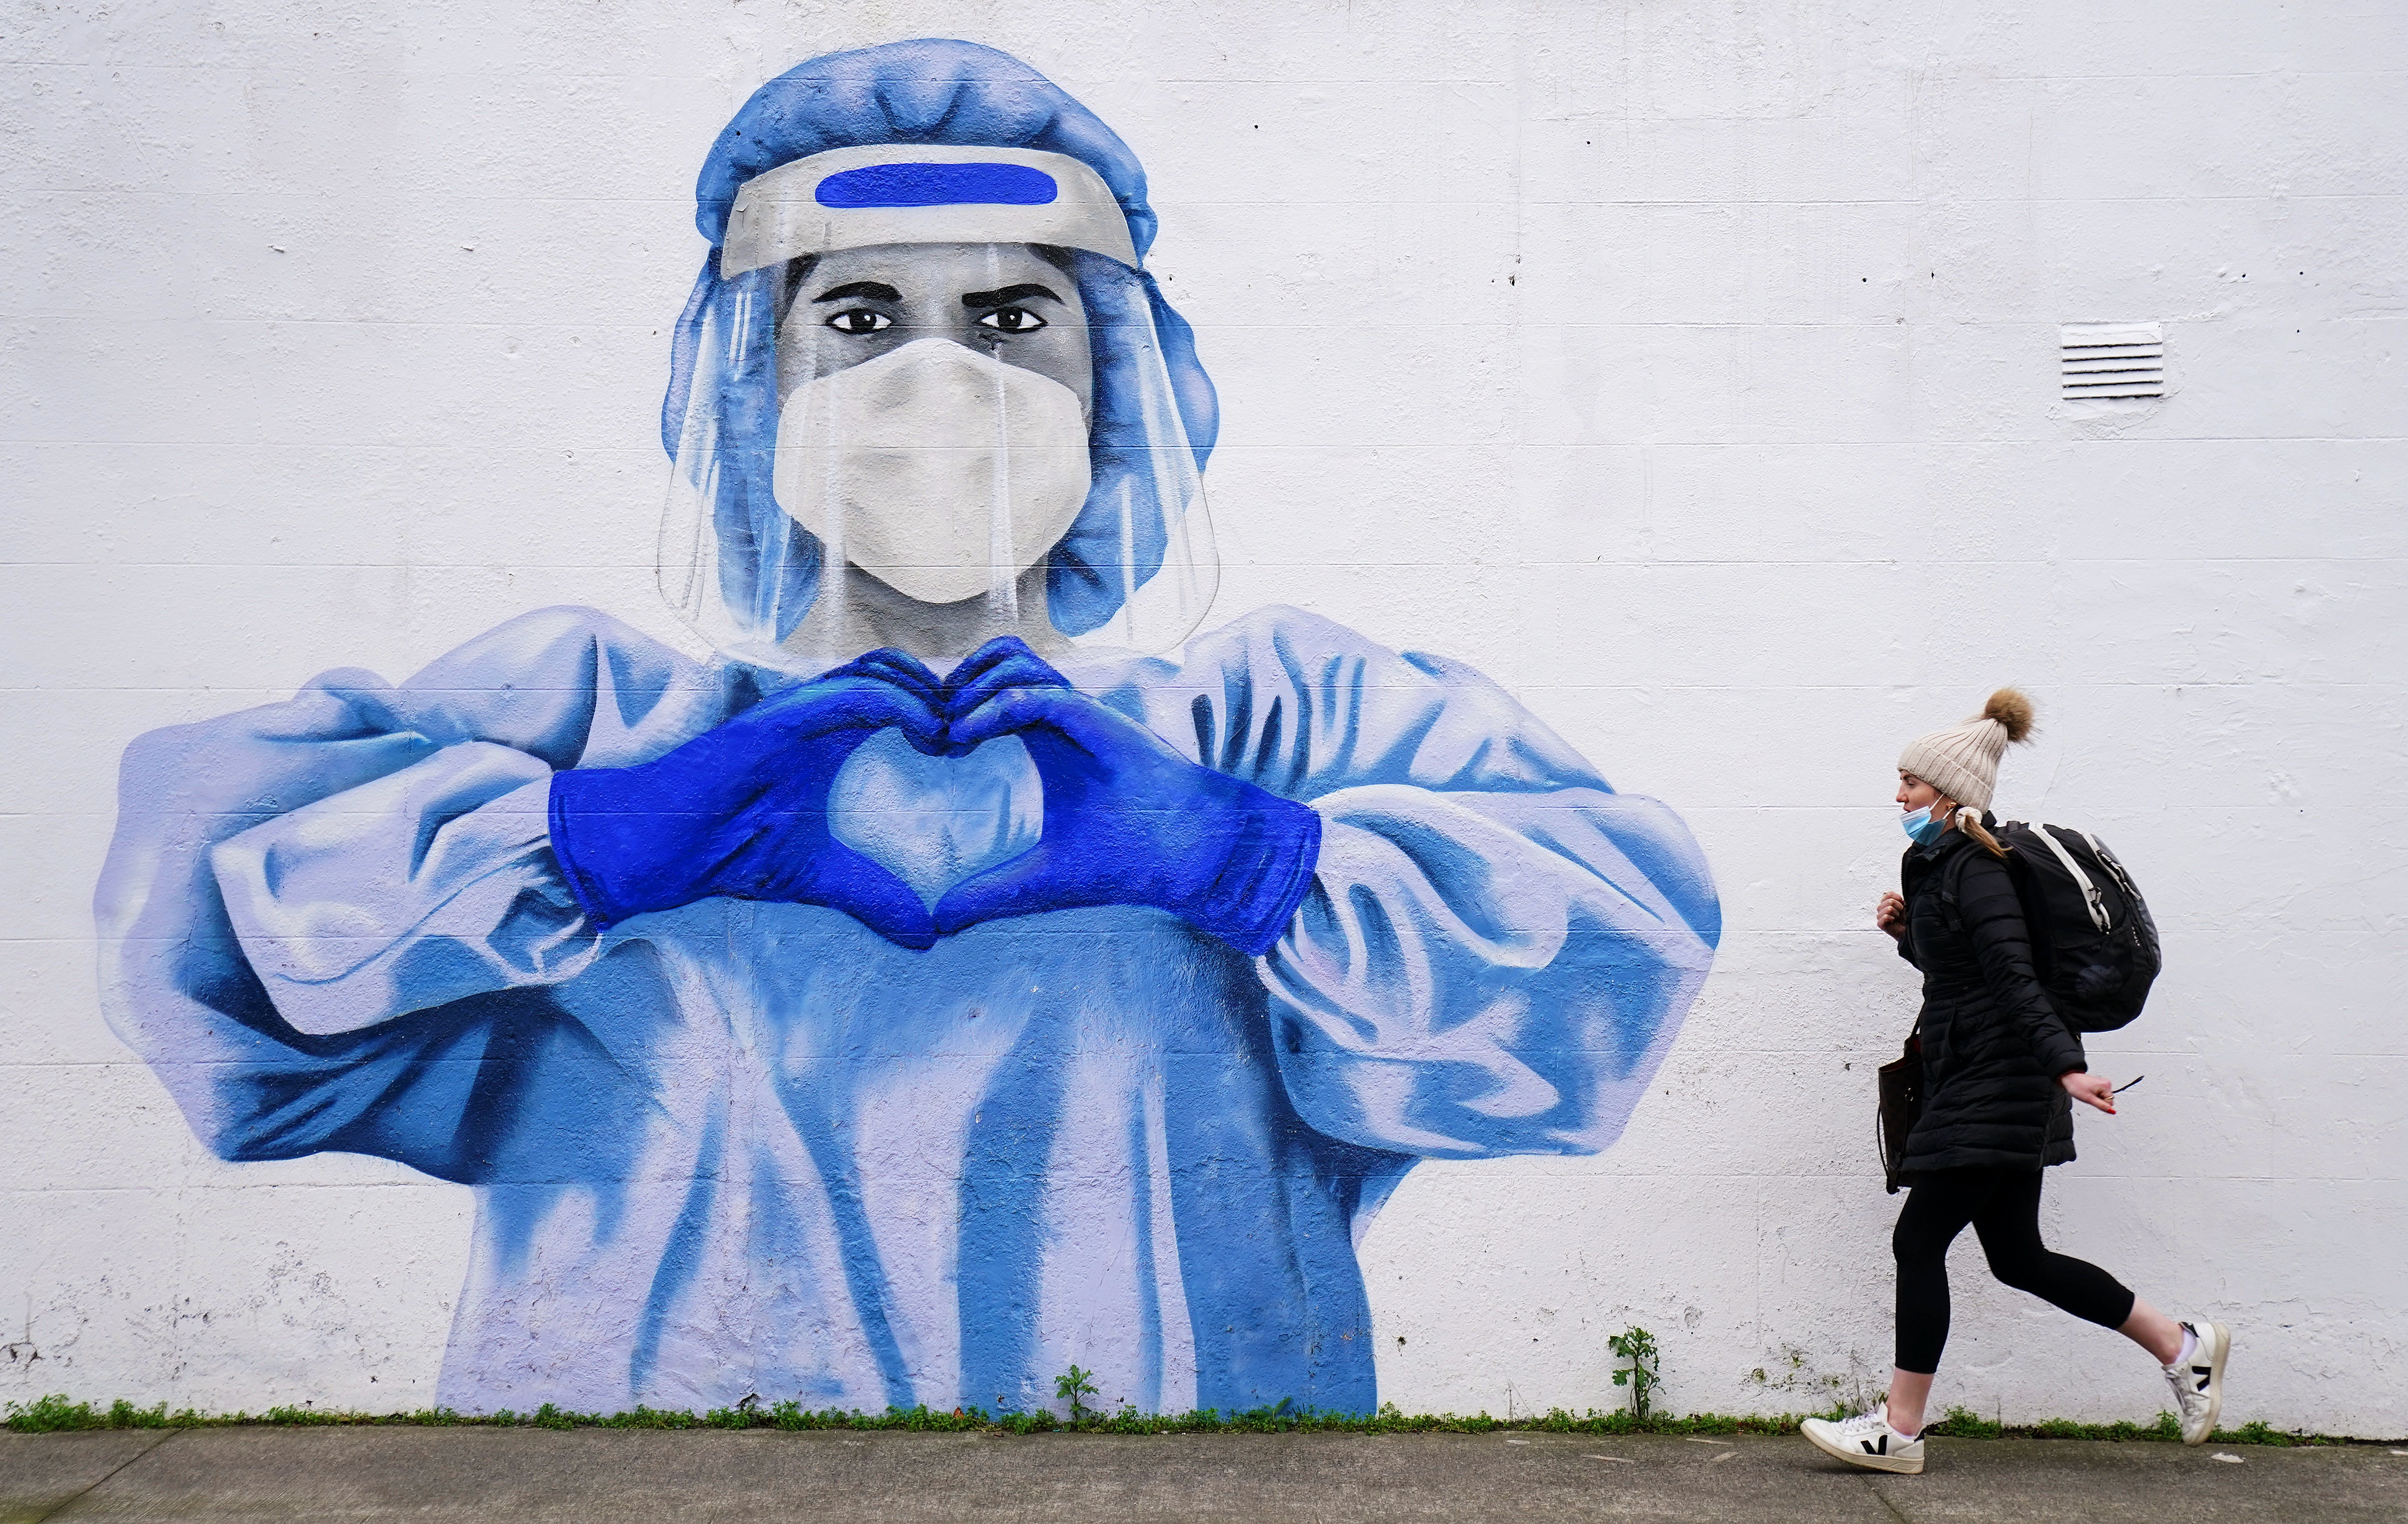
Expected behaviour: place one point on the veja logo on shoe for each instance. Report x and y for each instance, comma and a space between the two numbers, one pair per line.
1877, 1447
2205, 1374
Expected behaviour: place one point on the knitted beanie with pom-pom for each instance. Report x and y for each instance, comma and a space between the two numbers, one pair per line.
1962, 761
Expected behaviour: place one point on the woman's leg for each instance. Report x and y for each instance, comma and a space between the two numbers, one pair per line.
1937, 1208
2077, 1286
2009, 1228
2153, 1332
1910, 1391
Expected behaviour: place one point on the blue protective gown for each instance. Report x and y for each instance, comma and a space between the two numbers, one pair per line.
745, 1147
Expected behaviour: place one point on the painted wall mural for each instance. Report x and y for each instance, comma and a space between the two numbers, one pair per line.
973, 969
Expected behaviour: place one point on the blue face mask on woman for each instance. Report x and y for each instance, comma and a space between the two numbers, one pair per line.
1919, 824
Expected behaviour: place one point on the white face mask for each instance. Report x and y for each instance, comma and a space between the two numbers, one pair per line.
943, 473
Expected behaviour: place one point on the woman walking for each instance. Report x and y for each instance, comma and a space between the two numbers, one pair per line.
2001, 1070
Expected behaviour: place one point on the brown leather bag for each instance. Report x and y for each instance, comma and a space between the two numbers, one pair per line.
1901, 1105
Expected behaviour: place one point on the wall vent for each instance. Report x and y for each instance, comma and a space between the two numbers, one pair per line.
2112, 360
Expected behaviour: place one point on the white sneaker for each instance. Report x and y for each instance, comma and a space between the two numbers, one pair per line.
1867, 1440
2199, 1382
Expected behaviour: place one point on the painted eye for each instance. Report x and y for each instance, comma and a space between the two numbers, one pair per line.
860, 319
1013, 320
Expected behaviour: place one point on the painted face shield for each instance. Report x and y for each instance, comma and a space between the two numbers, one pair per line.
929, 385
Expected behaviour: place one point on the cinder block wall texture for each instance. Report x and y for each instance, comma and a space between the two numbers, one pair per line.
1692, 369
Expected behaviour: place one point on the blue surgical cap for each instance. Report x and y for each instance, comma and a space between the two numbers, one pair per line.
938, 92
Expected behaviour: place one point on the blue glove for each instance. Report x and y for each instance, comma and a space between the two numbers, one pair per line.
1128, 820
741, 810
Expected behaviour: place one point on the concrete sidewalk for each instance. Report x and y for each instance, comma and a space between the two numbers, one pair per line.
524, 1474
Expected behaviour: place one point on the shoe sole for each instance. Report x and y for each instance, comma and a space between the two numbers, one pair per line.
1901, 1465
2214, 1382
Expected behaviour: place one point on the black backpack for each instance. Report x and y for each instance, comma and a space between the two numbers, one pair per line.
2094, 946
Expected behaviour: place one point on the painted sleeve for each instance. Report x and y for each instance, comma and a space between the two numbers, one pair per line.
405, 893
1497, 948
315, 915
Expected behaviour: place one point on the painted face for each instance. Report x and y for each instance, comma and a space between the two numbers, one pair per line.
1004, 299
934, 413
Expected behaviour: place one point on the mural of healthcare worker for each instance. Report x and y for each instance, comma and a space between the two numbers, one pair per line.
941, 985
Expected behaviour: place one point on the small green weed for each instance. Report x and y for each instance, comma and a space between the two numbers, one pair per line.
1072, 1385
55, 1414
1964, 1423
1636, 1347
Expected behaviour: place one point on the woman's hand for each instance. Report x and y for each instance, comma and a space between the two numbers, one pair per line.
2090, 1089
1889, 914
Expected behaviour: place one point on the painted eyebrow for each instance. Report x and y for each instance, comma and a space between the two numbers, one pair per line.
984, 301
870, 290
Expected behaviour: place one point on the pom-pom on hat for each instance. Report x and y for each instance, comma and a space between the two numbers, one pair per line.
1962, 761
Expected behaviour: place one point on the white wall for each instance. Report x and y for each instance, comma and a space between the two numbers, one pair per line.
1689, 368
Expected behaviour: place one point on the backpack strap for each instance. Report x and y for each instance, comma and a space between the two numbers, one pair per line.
2123, 880
1951, 883
1943, 891
2091, 899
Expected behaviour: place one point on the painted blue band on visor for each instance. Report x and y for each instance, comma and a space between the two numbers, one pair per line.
938, 185
920, 193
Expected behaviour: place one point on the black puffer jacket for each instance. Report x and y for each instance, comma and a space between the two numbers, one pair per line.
1993, 1047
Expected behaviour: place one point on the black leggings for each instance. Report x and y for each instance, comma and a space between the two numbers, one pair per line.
2003, 1206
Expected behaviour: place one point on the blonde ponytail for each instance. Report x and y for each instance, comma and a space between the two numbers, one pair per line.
1969, 820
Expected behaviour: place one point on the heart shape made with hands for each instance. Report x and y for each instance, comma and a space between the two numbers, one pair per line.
1106, 813
933, 821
